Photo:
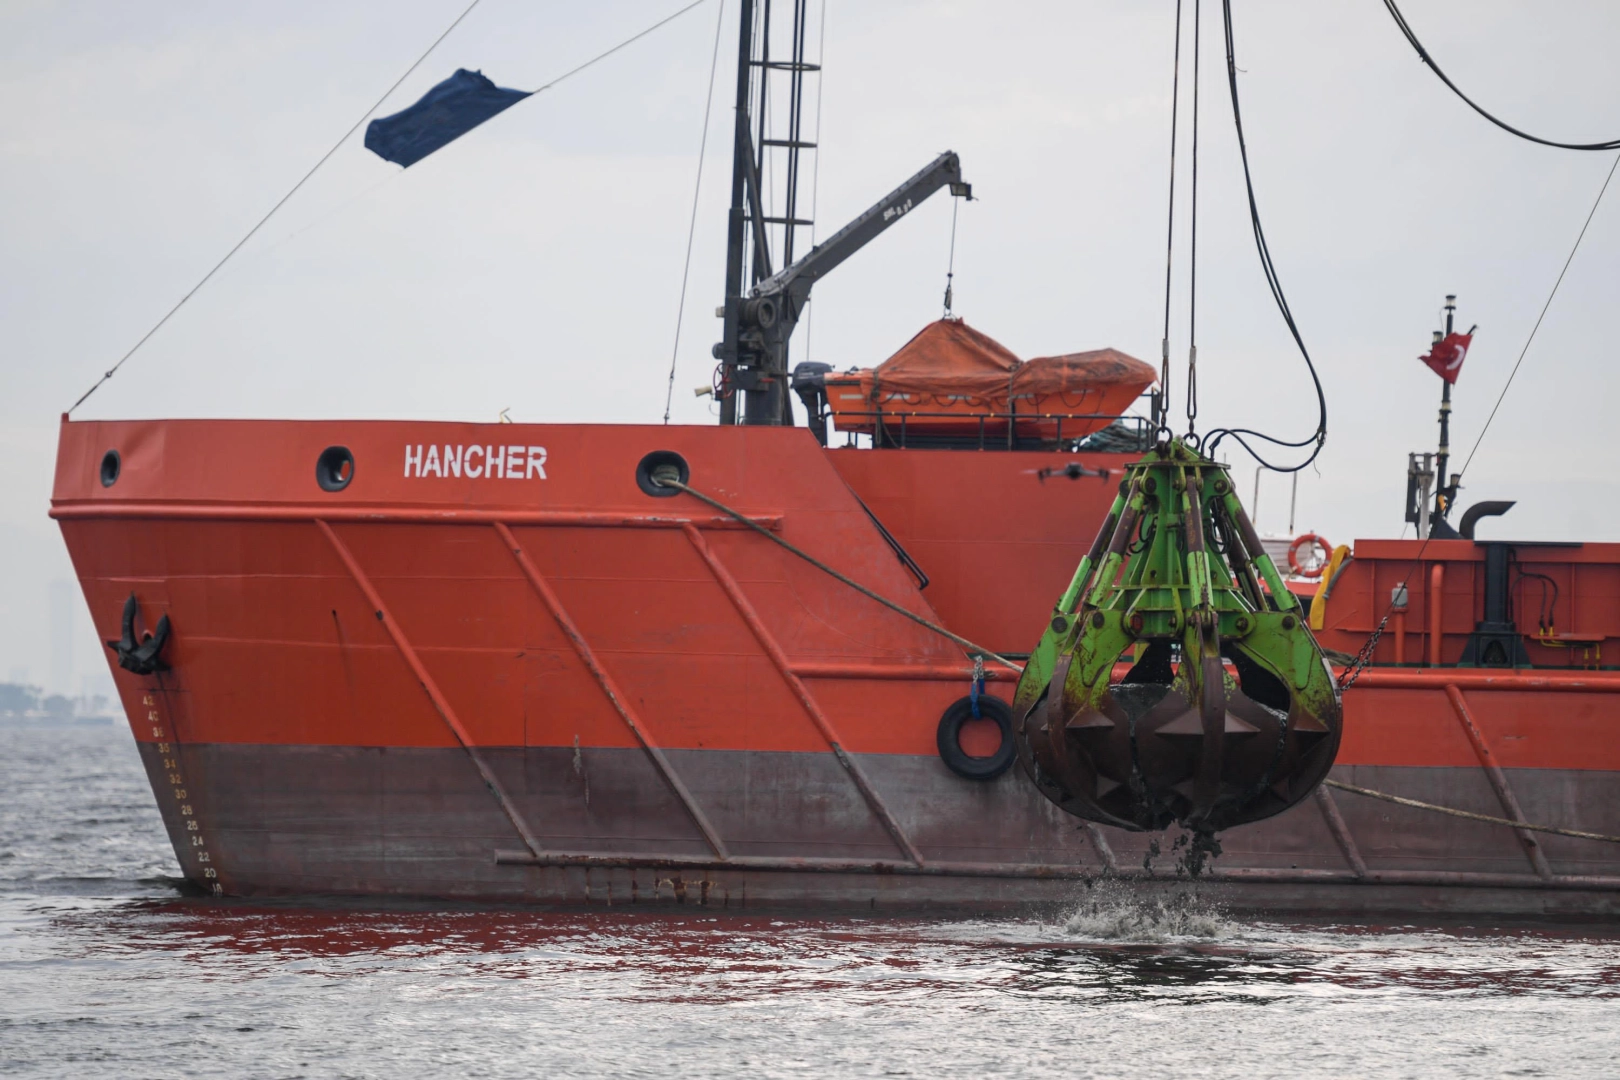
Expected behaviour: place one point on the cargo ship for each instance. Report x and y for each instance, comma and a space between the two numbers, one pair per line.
742, 666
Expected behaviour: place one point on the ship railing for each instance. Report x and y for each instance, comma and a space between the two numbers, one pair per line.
891, 428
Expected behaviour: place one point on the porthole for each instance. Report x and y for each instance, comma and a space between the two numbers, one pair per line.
334, 468
111, 466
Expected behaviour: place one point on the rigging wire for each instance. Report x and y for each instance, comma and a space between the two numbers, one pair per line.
599, 57
950, 262
282, 202
815, 168
1170, 236
691, 229
1543, 315
1365, 655
1242, 435
1192, 286
1423, 54
334, 149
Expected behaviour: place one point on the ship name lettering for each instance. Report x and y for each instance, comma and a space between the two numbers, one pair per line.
475, 462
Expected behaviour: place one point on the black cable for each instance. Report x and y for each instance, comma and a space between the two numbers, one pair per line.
1423, 54
691, 228
1242, 435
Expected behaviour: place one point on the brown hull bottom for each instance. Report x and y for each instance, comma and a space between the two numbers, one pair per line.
367, 821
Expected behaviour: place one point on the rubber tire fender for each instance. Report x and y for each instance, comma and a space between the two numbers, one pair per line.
950, 738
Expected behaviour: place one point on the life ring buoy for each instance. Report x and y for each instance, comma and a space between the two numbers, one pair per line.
1293, 555
960, 761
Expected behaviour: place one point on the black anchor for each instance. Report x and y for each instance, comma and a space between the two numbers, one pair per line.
141, 657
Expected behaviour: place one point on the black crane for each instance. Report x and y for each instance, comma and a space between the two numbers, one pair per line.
758, 321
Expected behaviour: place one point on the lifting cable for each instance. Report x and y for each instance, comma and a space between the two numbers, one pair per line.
691, 229
972, 649
1192, 258
1242, 435
1423, 54
950, 262
1170, 236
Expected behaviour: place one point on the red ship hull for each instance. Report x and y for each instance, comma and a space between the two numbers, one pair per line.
547, 685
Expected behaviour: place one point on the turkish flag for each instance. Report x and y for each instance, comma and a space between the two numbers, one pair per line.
1446, 358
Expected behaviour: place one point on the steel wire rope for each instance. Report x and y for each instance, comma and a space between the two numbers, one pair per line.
1273, 282
1423, 54
980, 650
1192, 256
1170, 234
1512, 374
334, 149
691, 228
950, 263
1401, 800
1365, 655
815, 169
279, 204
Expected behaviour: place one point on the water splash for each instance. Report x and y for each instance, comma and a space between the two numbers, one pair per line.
1115, 911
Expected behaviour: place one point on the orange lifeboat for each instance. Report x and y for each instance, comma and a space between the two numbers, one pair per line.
954, 381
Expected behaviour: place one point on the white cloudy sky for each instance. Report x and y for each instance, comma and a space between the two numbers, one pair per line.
535, 265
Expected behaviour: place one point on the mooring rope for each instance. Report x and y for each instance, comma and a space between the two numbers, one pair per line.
1402, 801
972, 649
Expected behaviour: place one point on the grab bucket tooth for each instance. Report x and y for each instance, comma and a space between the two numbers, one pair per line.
1177, 681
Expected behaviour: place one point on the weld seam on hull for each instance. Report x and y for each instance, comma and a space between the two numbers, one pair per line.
440, 702
900, 671
1498, 779
1238, 875
615, 696
779, 658
1341, 831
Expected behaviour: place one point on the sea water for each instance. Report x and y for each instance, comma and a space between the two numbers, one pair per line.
106, 969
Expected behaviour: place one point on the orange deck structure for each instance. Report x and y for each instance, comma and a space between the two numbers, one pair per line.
534, 681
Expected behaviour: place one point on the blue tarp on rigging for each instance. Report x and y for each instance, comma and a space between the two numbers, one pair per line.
445, 113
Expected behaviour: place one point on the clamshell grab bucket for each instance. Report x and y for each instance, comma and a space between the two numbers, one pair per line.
1177, 681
